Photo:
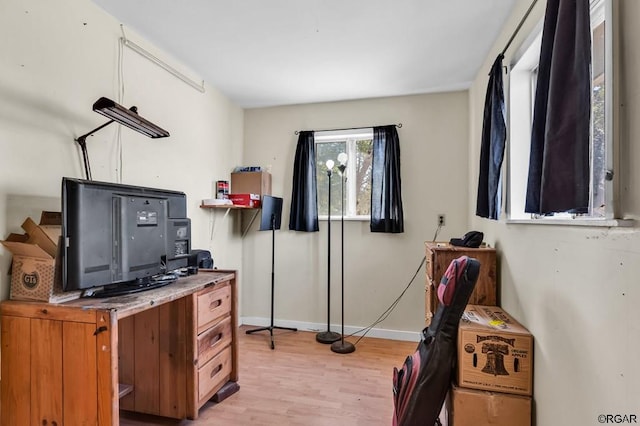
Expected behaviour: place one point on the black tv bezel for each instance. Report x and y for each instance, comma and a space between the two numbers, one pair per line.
77, 280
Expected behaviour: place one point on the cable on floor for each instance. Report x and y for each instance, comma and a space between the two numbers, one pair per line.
390, 309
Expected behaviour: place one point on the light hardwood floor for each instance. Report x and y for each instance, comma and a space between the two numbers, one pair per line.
303, 383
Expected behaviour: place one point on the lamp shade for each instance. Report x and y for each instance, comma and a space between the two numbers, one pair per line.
128, 117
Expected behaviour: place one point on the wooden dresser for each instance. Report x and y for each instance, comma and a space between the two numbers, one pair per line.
439, 256
164, 352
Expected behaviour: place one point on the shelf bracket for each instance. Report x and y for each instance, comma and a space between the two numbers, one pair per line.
253, 218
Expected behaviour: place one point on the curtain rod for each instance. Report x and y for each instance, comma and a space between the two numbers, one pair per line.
297, 132
524, 18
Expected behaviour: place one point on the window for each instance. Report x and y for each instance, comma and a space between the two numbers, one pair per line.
522, 81
357, 144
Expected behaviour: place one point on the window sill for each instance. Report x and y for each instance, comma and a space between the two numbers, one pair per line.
346, 219
607, 223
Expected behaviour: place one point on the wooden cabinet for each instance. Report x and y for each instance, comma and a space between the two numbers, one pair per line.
211, 352
440, 255
164, 352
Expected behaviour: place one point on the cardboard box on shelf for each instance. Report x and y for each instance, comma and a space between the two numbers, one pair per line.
495, 352
35, 270
471, 407
247, 200
251, 183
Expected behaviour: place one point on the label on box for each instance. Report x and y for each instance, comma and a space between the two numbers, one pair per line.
494, 351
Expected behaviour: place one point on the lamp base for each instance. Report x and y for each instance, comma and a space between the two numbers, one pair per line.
327, 337
342, 347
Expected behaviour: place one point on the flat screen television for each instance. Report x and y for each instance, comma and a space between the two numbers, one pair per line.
121, 238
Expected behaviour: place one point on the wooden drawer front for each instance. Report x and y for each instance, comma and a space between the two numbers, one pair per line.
214, 374
214, 340
213, 304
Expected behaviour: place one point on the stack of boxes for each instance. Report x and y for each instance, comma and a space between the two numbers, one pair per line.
494, 370
494, 373
247, 188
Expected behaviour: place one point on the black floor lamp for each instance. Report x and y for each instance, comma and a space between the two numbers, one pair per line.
341, 346
270, 220
328, 336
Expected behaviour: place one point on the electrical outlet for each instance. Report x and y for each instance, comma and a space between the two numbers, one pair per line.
440, 220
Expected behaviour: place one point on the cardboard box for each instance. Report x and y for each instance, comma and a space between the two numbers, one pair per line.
495, 352
247, 200
35, 273
483, 408
251, 183
44, 236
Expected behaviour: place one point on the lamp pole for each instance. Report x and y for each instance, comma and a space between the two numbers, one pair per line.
328, 336
341, 346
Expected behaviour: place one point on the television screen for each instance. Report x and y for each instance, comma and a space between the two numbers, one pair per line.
116, 234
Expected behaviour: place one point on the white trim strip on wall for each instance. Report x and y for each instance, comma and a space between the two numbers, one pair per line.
381, 333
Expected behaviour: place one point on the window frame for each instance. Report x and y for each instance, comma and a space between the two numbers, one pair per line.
349, 137
516, 132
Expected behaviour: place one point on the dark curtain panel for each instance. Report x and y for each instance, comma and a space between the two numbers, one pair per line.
494, 135
304, 197
386, 194
559, 162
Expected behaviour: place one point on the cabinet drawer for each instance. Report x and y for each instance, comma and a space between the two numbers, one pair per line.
212, 305
214, 374
213, 340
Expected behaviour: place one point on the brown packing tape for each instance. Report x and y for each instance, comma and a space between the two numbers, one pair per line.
17, 238
51, 218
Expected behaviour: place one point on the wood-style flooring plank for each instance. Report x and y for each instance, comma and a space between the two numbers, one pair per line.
303, 383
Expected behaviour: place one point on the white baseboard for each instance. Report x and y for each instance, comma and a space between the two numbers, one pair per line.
409, 336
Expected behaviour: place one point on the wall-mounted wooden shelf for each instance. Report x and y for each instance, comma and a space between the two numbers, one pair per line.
230, 207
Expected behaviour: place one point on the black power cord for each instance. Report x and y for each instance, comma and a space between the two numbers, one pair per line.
390, 309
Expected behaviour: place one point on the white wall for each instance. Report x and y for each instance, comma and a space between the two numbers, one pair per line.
575, 288
57, 59
433, 141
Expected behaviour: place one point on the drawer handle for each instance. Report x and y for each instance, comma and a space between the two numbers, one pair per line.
215, 371
216, 303
216, 339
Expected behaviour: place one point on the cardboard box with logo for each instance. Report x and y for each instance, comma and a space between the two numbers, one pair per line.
495, 352
471, 407
35, 273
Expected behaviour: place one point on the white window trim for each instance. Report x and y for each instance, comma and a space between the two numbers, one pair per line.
611, 83
340, 136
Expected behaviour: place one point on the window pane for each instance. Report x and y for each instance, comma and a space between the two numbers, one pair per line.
363, 177
328, 151
598, 121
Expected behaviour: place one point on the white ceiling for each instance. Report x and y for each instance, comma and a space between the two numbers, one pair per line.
279, 52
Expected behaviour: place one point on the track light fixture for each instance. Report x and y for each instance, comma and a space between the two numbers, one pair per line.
118, 114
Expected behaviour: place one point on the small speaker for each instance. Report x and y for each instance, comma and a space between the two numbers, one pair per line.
201, 259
